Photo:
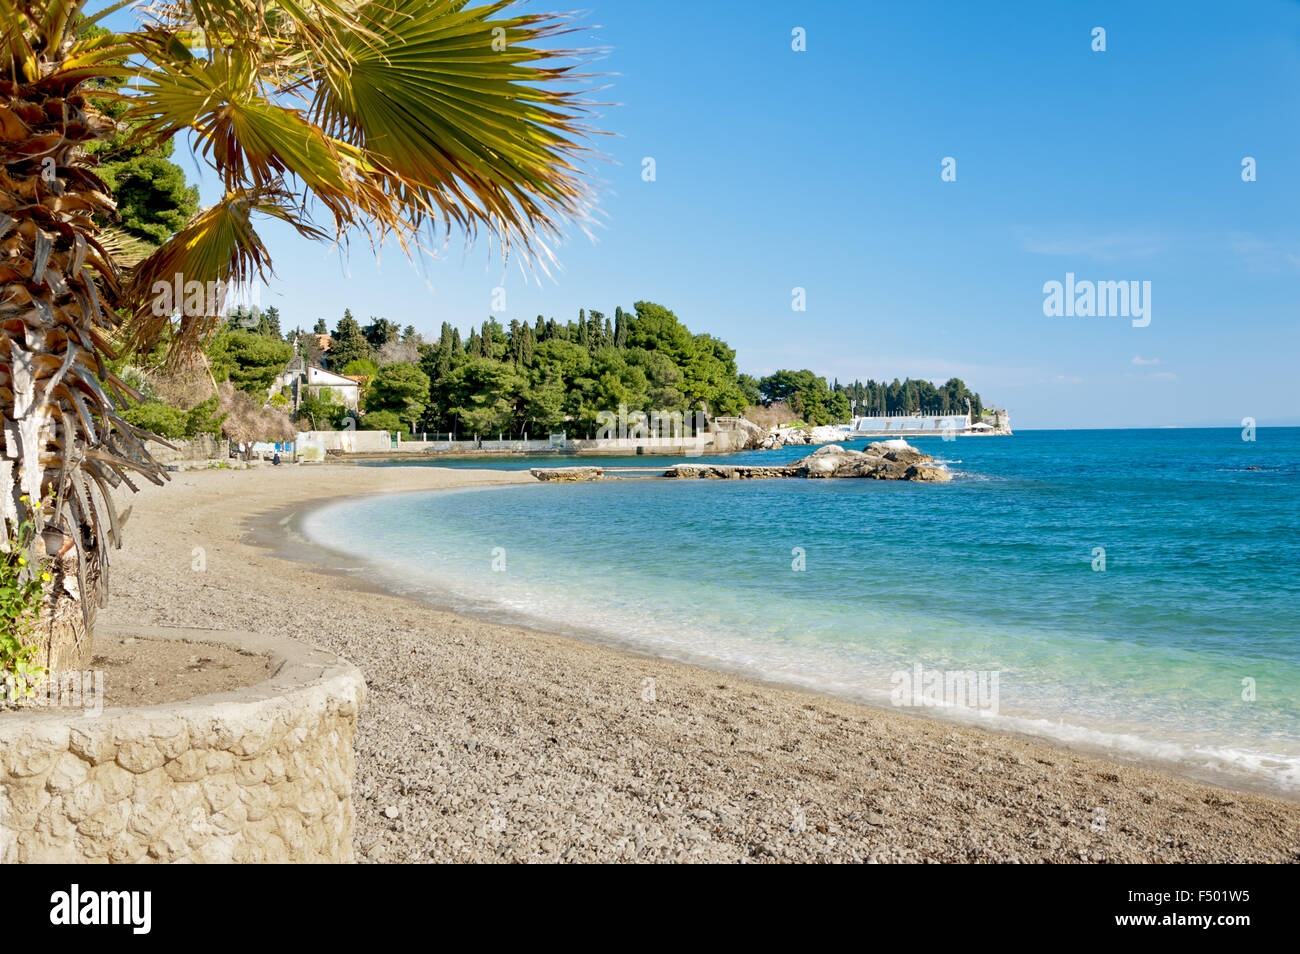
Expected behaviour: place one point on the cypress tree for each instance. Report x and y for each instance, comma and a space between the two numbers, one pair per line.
620, 328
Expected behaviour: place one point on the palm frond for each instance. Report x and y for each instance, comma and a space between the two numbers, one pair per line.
252, 142
218, 249
474, 124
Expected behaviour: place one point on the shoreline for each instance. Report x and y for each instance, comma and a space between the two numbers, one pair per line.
326, 559
873, 797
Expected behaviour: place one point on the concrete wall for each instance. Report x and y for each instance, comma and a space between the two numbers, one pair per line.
312, 445
465, 447
262, 774
628, 446
203, 447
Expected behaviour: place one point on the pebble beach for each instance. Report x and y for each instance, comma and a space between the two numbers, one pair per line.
485, 742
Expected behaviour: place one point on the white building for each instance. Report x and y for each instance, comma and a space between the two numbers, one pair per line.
303, 381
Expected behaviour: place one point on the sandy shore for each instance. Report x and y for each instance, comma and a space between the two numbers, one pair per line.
489, 742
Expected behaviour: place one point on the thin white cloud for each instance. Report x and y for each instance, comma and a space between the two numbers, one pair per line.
1139, 360
1264, 254
1112, 247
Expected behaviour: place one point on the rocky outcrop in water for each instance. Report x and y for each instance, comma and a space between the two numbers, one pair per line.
567, 474
883, 460
729, 472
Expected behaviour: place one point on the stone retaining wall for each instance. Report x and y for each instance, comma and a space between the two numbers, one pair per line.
262, 774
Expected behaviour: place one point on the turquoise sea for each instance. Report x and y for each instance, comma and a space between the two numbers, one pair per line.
1185, 648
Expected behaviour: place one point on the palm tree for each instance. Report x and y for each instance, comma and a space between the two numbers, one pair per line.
391, 118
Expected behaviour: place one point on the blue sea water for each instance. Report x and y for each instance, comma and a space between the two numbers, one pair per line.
1185, 647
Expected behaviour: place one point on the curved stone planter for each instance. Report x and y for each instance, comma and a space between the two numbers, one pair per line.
259, 774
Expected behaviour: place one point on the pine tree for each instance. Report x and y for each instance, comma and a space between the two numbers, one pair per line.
268, 324
348, 343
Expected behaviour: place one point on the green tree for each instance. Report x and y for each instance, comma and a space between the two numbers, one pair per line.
204, 418
153, 199
655, 328
402, 389
348, 343
543, 405
484, 394
380, 421
805, 392
321, 412
748, 385
160, 419
251, 362
268, 323
380, 331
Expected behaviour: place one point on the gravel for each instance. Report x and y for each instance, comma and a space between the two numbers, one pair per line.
481, 742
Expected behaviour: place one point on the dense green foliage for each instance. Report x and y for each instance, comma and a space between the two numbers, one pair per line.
348, 343
402, 389
912, 396
524, 378
810, 398
381, 421
321, 413
251, 361
548, 376
175, 424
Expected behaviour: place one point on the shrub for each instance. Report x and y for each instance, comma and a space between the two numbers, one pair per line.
21, 594
381, 421
204, 418
161, 419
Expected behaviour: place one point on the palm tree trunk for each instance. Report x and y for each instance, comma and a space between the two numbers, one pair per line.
64, 643
63, 447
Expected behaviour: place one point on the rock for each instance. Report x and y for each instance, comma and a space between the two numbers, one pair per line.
925, 472
897, 450
391, 811
567, 474
728, 472
874, 468
822, 466
884, 460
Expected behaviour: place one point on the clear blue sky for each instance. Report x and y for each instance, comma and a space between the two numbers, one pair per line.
821, 169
